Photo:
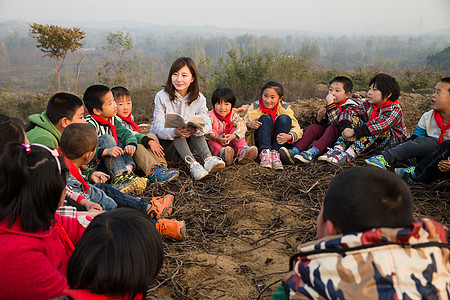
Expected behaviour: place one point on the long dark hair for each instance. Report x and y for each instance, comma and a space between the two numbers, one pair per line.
194, 89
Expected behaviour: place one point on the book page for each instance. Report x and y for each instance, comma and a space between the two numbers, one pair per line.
173, 120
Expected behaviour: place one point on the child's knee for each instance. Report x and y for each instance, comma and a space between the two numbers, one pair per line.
265, 119
283, 120
106, 141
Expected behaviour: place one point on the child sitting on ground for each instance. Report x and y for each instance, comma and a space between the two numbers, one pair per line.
118, 257
433, 128
324, 130
116, 144
368, 248
377, 122
271, 125
78, 144
227, 139
149, 155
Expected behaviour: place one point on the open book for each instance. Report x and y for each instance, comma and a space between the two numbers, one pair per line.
174, 120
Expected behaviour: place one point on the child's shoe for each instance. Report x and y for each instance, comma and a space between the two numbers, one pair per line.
407, 174
265, 158
331, 152
214, 164
377, 161
130, 183
160, 207
276, 161
304, 156
287, 155
227, 155
197, 170
162, 173
172, 228
341, 158
248, 154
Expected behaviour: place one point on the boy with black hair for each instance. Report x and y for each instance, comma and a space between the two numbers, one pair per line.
62, 110
78, 144
433, 128
368, 246
149, 154
116, 144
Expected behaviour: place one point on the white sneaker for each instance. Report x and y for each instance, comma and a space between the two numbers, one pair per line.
197, 171
214, 164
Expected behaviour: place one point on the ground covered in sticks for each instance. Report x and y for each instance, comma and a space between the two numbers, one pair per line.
244, 223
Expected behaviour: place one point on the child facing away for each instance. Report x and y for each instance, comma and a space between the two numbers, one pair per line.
432, 129
116, 144
78, 144
181, 95
271, 125
35, 243
118, 257
227, 139
324, 131
369, 247
149, 155
377, 122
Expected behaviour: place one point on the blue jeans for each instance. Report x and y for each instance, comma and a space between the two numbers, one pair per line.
427, 170
114, 165
118, 198
266, 134
416, 146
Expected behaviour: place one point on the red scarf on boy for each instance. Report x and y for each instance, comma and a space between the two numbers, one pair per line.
229, 126
376, 109
440, 123
74, 171
131, 122
340, 104
105, 122
271, 112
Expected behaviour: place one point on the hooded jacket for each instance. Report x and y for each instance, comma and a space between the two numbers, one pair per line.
44, 132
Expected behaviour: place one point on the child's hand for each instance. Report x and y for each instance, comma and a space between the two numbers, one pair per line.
330, 98
230, 137
130, 149
114, 151
156, 148
99, 177
321, 114
254, 124
444, 165
93, 206
182, 132
94, 212
349, 134
221, 139
283, 138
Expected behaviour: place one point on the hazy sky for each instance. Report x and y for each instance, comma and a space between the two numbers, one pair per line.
325, 16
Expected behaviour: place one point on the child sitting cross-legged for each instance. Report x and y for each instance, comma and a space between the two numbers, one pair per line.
433, 128
227, 139
116, 144
369, 247
78, 144
149, 155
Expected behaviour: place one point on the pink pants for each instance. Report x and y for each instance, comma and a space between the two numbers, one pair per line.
236, 145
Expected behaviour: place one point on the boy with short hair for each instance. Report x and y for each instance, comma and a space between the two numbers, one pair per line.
149, 155
62, 110
116, 144
324, 130
368, 248
78, 144
433, 128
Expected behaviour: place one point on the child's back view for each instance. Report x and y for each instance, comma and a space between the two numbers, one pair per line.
368, 247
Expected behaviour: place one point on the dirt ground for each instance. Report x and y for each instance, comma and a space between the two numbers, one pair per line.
244, 223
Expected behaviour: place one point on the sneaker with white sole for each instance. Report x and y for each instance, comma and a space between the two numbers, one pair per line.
377, 161
339, 159
265, 158
276, 161
196, 169
287, 155
304, 157
214, 164
331, 152
227, 155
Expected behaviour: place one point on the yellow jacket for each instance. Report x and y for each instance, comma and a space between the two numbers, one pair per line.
283, 108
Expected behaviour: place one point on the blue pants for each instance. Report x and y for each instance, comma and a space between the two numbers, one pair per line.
113, 165
416, 146
427, 170
111, 198
266, 134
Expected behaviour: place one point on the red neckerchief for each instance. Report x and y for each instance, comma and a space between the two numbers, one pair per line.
131, 122
105, 122
341, 103
440, 123
87, 295
271, 112
229, 126
64, 238
74, 171
376, 109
